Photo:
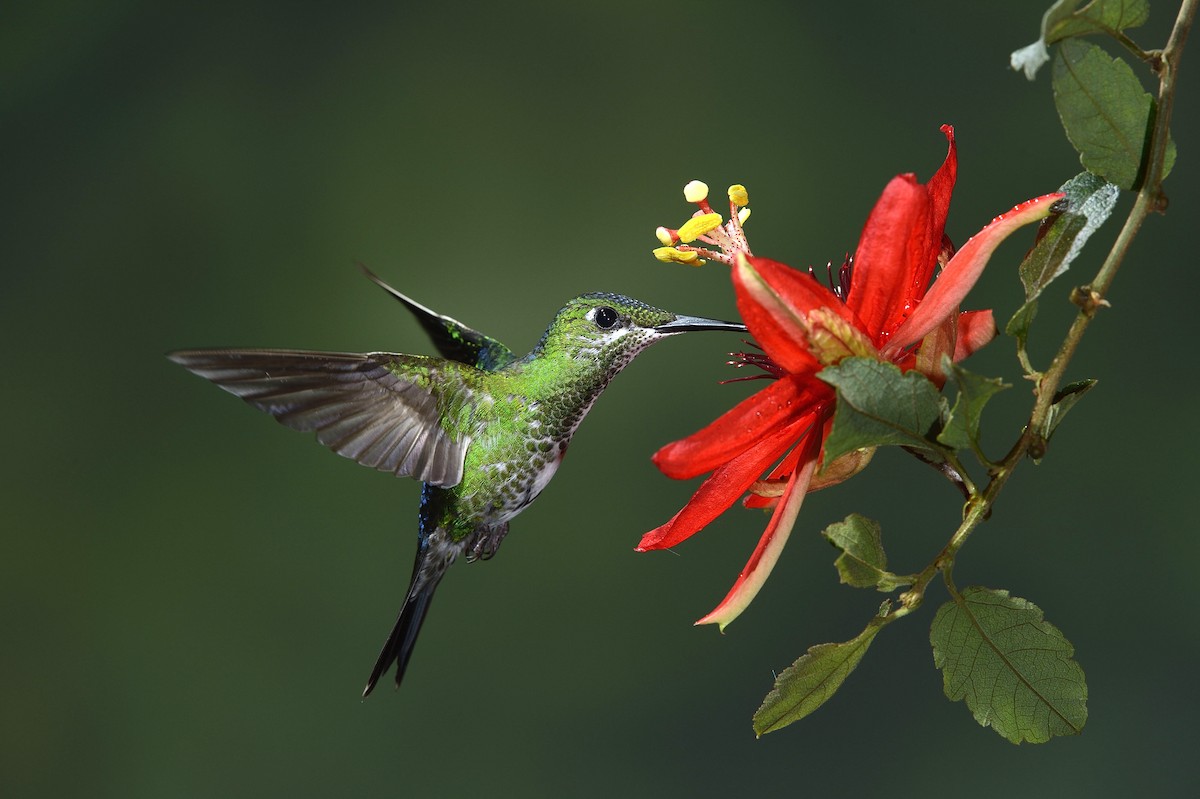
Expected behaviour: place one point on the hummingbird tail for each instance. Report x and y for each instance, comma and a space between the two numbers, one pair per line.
434, 556
436, 551
399, 645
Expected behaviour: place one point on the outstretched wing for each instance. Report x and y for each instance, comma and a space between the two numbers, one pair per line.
453, 339
378, 409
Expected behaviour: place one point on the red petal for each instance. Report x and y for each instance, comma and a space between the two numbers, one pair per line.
964, 269
975, 328
788, 464
941, 185
754, 574
783, 470
723, 488
898, 249
741, 427
774, 300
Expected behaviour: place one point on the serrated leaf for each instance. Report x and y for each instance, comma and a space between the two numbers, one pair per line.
1099, 16
962, 427
863, 563
1104, 110
809, 682
1089, 203
1014, 669
877, 405
1064, 399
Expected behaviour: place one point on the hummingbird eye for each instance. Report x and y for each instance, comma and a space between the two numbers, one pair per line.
605, 318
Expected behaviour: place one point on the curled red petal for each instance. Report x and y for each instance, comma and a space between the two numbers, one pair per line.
964, 269
723, 487
941, 185
898, 249
741, 427
774, 300
754, 574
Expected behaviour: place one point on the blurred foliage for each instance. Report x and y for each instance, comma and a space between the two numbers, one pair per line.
192, 596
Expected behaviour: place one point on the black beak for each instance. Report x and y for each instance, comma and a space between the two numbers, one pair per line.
685, 324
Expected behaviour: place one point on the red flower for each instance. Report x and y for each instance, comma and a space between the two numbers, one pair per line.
881, 306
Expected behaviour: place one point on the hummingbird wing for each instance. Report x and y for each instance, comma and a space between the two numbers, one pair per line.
453, 339
378, 409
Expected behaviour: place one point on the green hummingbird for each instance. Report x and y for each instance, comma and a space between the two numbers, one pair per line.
483, 429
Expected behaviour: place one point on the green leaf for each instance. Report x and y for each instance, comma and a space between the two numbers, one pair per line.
1168, 158
1065, 19
1018, 326
863, 563
962, 428
877, 405
1100, 16
1014, 669
1104, 110
1064, 399
1050, 255
809, 682
1089, 203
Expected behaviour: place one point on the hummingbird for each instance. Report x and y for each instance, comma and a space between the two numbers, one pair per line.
483, 429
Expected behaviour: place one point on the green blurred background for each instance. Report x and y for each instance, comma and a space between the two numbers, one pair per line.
192, 596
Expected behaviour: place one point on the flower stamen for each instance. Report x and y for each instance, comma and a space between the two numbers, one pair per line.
771, 370
706, 226
841, 285
680, 255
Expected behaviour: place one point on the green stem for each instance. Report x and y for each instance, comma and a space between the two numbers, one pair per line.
1090, 298
1149, 199
1132, 47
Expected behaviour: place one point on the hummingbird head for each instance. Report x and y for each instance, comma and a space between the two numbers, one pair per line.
610, 329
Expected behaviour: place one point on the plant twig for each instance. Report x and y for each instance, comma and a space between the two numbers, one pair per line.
1150, 199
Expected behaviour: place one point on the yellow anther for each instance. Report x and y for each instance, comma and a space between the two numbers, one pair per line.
695, 191
738, 195
665, 236
743, 215
671, 255
697, 226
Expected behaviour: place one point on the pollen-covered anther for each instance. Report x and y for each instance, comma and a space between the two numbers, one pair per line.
666, 235
697, 226
671, 255
696, 191
738, 195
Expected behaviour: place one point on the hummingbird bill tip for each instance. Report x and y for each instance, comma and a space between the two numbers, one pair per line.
685, 324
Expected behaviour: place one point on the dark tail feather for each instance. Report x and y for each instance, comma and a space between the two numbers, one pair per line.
399, 645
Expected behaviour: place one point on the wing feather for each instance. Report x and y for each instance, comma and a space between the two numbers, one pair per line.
378, 409
453, 339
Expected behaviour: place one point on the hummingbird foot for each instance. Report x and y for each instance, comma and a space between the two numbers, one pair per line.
485, 541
